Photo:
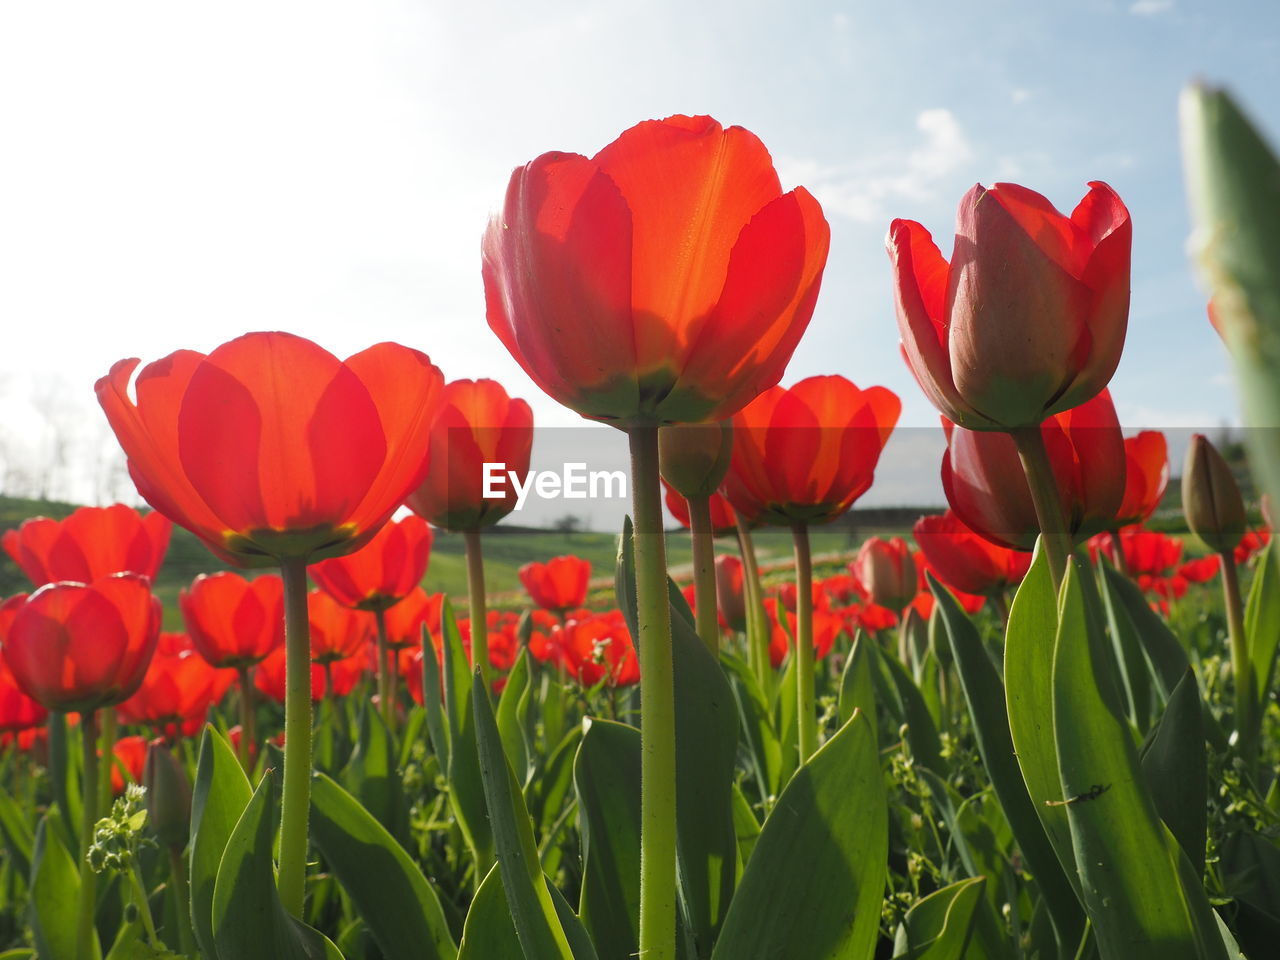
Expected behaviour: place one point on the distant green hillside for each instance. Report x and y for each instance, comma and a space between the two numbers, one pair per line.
506, 549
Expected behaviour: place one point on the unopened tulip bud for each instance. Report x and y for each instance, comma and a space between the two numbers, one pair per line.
1211, 498
729, 593
695, 456
168, 794
887, 572
913, 638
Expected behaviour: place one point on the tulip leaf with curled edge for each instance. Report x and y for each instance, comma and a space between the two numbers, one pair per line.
984, 693
372, 776
218, 799
397, 904
940, 926
1138, 900
607, 776
764, 752
1177, 770
1262, 619
489, 933
510, 716
55, 886
1233, 182
857, 683
540, 930
1028, 692
249, 921
815, 881
706, 721
466, 791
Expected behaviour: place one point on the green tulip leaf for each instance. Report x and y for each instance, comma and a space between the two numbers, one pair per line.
939, 926
218, 799
55, 889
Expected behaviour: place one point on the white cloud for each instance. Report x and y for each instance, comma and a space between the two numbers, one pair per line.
859, 190
1019, 95
1150, 8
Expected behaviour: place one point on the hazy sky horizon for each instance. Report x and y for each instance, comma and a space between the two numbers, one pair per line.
177, 175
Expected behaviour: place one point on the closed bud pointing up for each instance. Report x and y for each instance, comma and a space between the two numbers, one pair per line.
1211, 498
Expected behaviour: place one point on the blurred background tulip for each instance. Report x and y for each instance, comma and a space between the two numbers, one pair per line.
92, 542
558, 585
966, 561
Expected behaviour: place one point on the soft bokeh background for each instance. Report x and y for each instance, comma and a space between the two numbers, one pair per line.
176, 174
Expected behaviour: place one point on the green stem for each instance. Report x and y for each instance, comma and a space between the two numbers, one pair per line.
475, 598
806, 709
1046, 497
247, 719
384, 671
296, 801
107, 720
657, 707
57, 726
757, 619
85, 946
1247, 719
182, 896
1117, 548
704, 573
144, 906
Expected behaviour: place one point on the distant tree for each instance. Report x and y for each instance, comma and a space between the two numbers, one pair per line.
569, 524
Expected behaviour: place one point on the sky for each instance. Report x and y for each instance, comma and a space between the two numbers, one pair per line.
177, 174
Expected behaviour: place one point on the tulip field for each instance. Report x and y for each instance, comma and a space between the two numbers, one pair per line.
1040, 723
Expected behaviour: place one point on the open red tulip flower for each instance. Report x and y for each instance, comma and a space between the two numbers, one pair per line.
805, 454
827, 625
92, 542
597, 648
382, 572
234, 622
984, 483
76, 646
558, 585
177, 691
271, 448
1146, 476
269, 678
667, 279
128, 757
723, 522
965, 561
1029, 317
407, 618
337, 632
477, 424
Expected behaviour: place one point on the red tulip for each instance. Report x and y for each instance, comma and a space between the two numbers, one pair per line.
986, 488
827, 625
269, 678
666, 279
478, 424
177, 691
1146, 476
337, 632
382, 572
270, 447
1028, 319
723, 521
17, 710
129, 755
965, 561
92, 542
1200, 570
886, 571
234, 622
407, 618
557, 585
807, 453
1252, 542
730, 600
1146, 552
598, 648
78, 647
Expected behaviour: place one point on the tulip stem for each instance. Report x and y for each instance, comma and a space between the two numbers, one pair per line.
247, 720
1117, 550
806, 709
757, 619
85, 947
1247, 721
296, 801
657, 706
1048, 501
182, 898
384, 671
475, 598
107, 720
57, 724
704, 573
